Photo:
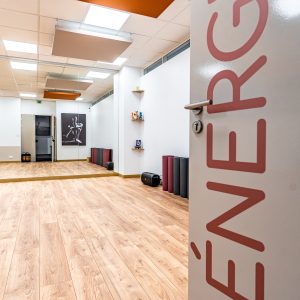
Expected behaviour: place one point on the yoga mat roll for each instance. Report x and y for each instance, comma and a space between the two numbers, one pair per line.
170, 174
184, 177
92, 155
176, 175
165, 172
97, 156
106, 156
101, 157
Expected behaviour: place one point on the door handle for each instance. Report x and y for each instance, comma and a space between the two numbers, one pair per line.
197, 108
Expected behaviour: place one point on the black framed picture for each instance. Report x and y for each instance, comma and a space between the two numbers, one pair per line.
73, 128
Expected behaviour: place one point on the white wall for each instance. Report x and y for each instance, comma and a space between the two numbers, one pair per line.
102, 120
10, 122
166, 126
10, 129
31, 107
73, 152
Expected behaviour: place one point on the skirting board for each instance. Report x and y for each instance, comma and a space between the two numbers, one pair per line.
70, 160
130, 176
10, 162
50, 178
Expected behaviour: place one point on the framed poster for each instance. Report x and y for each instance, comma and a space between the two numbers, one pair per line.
73, 127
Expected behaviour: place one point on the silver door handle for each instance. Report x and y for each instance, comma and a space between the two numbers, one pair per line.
197, 108
198, 105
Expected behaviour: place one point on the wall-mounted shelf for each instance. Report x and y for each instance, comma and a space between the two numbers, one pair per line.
138, 149
138, 91
138, 120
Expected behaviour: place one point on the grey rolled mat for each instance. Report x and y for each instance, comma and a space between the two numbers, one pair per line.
184, 177
176, 176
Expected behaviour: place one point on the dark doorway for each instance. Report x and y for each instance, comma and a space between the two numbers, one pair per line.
43, 138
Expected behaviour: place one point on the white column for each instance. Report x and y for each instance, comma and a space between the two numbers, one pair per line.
127, 161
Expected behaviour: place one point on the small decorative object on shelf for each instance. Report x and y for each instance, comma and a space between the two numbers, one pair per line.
137, 116
141, 116
138, 90
138, 146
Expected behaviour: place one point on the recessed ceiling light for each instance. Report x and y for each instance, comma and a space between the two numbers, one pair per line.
105, 17
99, 75
23, 66
79, 99
120, 61
28, 95
20, 47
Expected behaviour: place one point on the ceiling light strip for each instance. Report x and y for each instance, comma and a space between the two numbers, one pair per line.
44, 62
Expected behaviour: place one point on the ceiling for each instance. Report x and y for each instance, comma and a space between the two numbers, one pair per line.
34, 21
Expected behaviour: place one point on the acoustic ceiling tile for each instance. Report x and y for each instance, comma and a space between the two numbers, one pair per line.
28, 6
69, 10
18, 20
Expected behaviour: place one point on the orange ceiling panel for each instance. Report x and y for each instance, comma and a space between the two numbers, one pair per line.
150, 8
57, 95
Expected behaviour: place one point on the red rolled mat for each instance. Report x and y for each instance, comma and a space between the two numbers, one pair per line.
106, 156
170, 173
165, 159
93, 155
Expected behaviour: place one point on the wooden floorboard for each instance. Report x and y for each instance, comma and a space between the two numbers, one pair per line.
99, 238
38, 171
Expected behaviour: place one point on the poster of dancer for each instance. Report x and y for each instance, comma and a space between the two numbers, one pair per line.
73, 129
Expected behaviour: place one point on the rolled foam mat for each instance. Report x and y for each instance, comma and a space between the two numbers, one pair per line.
106, 156
101, 157
97, 156
184, 177
170, 174
176, 176
92, 155
165, 172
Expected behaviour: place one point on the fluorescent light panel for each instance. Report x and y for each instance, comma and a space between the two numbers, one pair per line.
23, 66
118, 62
79, 99
105, 17
99, 75
28, 95
20, 47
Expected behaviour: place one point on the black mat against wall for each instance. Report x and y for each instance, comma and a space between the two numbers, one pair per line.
184, 177
176, 176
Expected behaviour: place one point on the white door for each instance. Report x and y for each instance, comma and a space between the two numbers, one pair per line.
245, 165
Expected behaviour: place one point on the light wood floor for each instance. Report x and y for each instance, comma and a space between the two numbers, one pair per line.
101, 238
49, 169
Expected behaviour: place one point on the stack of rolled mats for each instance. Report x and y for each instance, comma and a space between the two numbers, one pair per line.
176, 175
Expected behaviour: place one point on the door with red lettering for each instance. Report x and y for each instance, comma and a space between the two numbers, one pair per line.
245, 164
